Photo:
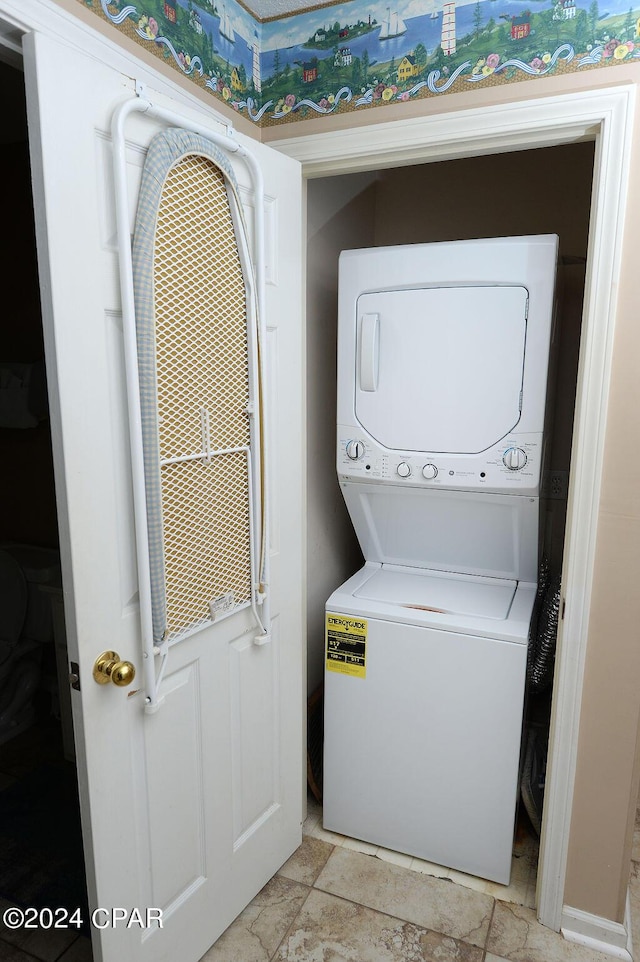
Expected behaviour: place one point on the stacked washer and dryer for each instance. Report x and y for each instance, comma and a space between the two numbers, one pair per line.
443, 353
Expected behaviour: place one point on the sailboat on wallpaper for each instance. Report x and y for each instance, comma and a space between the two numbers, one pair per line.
225, 28
276, 80
393, 26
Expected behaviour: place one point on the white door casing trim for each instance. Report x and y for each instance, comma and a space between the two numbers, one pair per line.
605, 116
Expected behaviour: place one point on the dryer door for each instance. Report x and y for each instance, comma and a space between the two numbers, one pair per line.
440, 369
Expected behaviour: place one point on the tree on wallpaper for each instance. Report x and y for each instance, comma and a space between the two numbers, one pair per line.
361, 54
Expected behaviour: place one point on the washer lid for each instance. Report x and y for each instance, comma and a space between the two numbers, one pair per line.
470, 532
440, 592
441, 368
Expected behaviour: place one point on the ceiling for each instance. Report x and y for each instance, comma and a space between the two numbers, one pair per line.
270, 9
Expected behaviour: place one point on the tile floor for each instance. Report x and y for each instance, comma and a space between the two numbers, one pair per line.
522, 888
333, 903
338, 900
41, 744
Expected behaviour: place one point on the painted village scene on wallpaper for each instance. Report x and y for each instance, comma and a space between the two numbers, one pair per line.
360, 54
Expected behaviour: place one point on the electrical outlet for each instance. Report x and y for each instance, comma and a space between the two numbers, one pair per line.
555, 485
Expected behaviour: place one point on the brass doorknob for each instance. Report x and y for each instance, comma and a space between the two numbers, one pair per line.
108, 667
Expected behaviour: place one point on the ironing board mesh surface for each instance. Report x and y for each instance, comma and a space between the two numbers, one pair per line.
202, 389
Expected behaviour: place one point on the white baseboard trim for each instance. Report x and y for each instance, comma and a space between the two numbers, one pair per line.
603, 935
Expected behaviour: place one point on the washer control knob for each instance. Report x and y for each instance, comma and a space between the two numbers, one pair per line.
429, 472
514, 459
355, 450
404, 469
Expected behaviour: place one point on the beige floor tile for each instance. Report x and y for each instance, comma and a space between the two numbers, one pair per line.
80, 951
9, 953
314, 809
307, 861
257, 932
515, 892
470, 881
319, 832
357, 845
45, 944
37, 745
515, 934
395, 858
522, 866
526, 844
432, 903
310, 822
332, 928
5, 781
494, 958
430, 868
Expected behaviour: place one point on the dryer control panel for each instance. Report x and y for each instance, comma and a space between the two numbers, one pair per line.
512, 465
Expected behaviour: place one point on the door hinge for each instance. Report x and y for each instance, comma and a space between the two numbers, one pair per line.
74, 675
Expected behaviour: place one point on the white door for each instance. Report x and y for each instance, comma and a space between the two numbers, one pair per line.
192, 809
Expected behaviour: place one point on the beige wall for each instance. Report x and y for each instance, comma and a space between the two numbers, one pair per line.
607, 780
340, 215
607, 774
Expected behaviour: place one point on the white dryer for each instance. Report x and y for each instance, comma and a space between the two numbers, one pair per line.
442, 379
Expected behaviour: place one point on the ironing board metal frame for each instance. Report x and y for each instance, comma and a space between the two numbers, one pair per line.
152, 676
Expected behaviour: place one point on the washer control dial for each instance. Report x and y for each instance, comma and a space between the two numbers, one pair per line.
403, 469
514, 459
355, 450
429, 472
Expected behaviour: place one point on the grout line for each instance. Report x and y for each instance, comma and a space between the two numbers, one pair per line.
486, 941
397, 918
293, 922
315, 884
75, 941
13, 949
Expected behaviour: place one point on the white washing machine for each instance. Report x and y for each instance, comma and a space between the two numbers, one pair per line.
442, 380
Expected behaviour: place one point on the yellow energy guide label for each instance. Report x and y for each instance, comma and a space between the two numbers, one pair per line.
347, 645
